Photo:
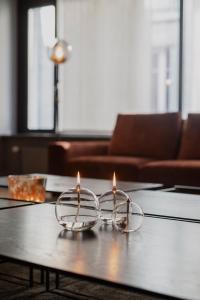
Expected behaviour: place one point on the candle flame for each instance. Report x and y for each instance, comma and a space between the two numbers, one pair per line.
78, 178
114, 181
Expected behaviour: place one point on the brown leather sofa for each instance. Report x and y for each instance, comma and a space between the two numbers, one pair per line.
147, 148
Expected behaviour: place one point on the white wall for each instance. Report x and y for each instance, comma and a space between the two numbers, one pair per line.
8, 49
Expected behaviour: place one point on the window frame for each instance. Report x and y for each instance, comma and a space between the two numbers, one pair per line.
22, 103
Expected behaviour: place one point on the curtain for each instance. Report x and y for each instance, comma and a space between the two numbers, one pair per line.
109, 71
191, 57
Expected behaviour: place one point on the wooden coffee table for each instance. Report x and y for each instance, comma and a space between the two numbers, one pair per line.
162, 258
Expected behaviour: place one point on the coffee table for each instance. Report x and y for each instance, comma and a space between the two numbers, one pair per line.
184, 189
6, 203
162, 258
60, 184
169, 205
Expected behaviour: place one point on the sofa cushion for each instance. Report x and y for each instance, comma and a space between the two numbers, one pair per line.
126, 168
190, 144
171, 172
152, 135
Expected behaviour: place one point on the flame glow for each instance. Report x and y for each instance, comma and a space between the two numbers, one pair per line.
114, 180
78, 178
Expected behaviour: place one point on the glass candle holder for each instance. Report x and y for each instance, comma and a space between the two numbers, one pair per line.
107, 203
77, 209
127, 216
27, 187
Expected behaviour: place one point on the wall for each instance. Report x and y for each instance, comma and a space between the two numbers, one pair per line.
8, 50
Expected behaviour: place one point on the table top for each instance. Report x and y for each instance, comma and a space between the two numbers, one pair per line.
185, 189
60, 184
162, 257
167, 204
6, 203
98, 186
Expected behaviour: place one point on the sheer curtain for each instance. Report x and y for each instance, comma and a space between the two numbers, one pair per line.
124, 59
191, 62
109, 71
41, 33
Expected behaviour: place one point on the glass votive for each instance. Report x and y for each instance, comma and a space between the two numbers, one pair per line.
77, 210
107, 203
127, 216
27, 187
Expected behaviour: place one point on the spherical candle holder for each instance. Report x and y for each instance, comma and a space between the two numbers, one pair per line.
77, 209
107, 203
127, 216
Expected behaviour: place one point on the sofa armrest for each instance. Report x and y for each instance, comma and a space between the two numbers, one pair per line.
59, 153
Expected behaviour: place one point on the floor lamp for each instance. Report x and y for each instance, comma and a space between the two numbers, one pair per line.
60, 53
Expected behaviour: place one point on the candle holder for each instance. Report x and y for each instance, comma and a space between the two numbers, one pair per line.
108, 202
27, 187
77, 209
127, 216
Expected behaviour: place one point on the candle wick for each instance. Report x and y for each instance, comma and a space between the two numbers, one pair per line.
114, 196
127, 213
78, 188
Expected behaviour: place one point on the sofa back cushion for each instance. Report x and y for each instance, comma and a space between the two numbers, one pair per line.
190, 143
146, 135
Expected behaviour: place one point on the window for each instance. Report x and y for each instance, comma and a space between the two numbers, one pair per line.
36, 71
191, 56
41, 34
165, 18
125, 59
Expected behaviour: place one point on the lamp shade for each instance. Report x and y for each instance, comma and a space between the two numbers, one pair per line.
60, 52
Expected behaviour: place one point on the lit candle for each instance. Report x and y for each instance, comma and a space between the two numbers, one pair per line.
114, 189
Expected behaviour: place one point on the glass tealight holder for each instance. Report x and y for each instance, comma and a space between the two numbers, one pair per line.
77, 210
27, 187
107, 203
127, 216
